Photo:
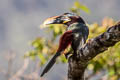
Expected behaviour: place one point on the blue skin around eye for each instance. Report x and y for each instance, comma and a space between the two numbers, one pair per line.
70, 14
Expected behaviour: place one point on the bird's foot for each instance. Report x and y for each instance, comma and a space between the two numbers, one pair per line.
67, 55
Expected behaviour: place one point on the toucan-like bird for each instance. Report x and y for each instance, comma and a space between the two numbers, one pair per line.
75, 35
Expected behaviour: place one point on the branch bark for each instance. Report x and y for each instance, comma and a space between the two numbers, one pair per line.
78, 63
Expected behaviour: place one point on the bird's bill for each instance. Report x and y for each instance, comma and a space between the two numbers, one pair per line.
57, 20
51, 20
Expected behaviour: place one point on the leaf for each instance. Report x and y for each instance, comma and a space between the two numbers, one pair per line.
63, 59
78, 5
111, 71
90, 66
84, 8
56, 29
42, 58
74, 10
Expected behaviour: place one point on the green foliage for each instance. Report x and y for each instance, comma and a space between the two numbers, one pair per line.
109, 60
57, 30
43, 48
77, 6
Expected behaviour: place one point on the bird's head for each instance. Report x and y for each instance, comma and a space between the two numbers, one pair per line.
66, 19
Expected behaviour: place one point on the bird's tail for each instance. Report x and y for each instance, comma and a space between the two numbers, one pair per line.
50, 63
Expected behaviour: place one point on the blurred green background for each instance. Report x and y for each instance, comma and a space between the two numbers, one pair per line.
25, 47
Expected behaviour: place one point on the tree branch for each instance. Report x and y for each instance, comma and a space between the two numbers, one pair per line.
78, 63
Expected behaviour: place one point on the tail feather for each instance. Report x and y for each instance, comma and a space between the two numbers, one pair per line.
50, 63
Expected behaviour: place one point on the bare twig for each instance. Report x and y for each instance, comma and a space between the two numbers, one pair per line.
20, 71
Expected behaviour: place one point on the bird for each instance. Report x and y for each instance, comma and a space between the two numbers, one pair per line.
75, 35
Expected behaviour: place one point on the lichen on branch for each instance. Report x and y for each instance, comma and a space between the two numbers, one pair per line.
95, 46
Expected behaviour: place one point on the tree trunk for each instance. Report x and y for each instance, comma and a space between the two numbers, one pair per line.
78, 63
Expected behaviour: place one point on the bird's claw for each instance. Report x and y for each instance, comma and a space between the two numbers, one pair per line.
67, 55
